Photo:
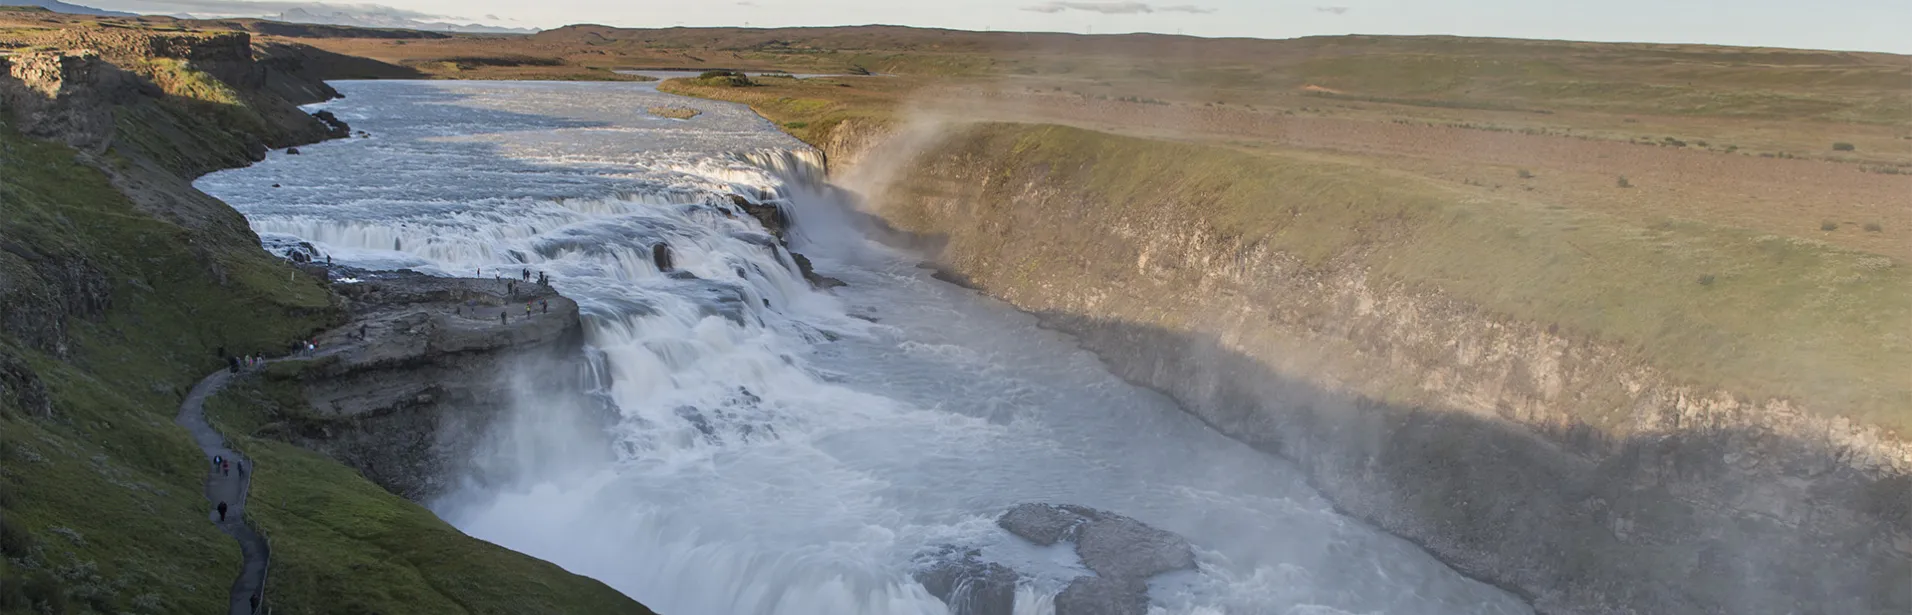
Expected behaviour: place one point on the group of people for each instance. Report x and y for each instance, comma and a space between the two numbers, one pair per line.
224, 467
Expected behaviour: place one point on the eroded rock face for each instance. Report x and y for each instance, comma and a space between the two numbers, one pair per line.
1122, 551
969, 585
409, 386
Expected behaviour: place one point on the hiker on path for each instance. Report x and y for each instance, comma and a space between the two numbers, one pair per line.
501, 317
225, 468
545, 305
222, 512
527, 309
216, 460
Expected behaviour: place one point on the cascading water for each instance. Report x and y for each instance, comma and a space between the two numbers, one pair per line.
779, 449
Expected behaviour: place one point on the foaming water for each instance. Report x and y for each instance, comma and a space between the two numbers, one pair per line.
779, 449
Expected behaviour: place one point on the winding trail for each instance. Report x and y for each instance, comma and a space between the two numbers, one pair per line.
248, 590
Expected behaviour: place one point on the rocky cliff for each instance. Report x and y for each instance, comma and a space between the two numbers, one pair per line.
1560, 465
408, 388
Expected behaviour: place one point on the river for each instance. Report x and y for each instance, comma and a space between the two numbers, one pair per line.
780, 449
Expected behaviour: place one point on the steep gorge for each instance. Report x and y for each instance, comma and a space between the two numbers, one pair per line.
1569, 467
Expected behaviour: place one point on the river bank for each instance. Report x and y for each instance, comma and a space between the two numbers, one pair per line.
1519, 451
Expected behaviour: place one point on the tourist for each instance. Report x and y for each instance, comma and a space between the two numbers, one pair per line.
544, 305
527, 309
501, 316
222, 512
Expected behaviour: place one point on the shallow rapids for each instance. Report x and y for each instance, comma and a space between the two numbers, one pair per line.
779, 449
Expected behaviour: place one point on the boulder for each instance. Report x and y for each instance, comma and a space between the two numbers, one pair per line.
1122, 551
1100, 596
969, 585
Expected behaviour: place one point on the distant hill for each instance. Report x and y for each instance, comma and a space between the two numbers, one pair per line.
61, 7
325, 15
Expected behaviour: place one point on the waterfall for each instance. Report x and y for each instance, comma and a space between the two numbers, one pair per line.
779, 449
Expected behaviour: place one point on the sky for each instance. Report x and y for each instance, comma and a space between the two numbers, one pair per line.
1860, 25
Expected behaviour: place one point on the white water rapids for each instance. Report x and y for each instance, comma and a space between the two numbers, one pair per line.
848, 431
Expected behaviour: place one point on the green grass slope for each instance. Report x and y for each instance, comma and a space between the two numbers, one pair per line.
111, 307
1756, 314
342, 544
103, 510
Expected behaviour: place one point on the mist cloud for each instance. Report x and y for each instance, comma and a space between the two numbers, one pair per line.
1337, 10
1115, 8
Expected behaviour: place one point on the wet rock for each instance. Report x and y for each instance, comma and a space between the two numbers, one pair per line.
681, 275
1122, 551
1118, 547
967, 584
334, 127
661, 256
1043, 524
1100, 596
810, 274
768, 215
292, 151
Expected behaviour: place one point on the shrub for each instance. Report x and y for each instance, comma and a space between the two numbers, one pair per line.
1828, 226
1706, 280
1873, 227
796, 125
859, 69
1623, 183
725, 78
1843, 147
14, 539
1699, 143
1524, 174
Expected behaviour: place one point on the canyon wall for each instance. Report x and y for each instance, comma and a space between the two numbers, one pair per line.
1554, 463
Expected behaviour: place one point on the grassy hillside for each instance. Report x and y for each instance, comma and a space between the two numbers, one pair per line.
342, 544
103, 510
122, 286
1760, 315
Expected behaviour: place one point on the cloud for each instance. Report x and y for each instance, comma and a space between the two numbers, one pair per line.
1115, 8
1338, 10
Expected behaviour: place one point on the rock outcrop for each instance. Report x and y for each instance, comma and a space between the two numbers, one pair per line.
778, 225
1121, 551
407, 387
969, 585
